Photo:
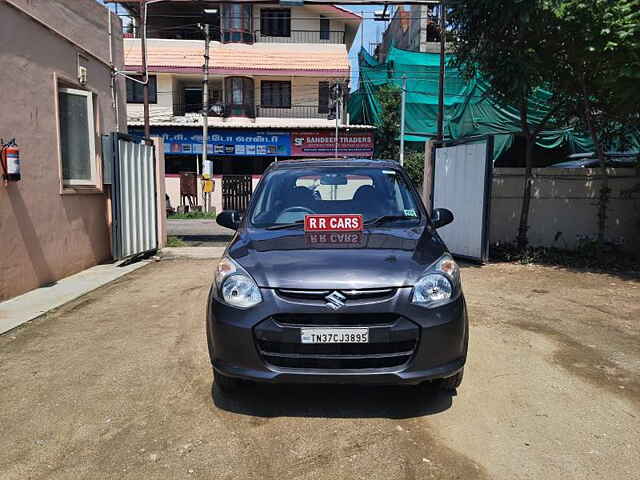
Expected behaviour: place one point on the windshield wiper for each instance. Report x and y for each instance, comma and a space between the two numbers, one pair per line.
388, 218
285, 225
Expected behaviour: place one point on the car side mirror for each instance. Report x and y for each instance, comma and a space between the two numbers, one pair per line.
441, 217
229, 219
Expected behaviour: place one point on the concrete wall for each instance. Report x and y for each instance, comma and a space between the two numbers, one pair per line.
564, 205
172, 186
304, 90
166, 87
49, 232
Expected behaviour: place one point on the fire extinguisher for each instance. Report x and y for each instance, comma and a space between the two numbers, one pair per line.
10, 156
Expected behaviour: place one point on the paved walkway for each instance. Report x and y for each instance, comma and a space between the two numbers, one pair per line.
26, 307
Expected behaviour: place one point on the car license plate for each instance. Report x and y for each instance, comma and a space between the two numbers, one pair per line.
334, 335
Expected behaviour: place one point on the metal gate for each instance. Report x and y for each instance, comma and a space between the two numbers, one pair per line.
236, 192
462, 183
130, 168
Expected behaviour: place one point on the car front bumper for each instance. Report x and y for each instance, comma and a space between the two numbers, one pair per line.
441, 336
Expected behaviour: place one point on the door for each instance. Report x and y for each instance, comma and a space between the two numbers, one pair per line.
236, 192
462, 183
130, 169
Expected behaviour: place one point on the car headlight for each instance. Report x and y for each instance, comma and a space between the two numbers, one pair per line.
235, 286
439, 284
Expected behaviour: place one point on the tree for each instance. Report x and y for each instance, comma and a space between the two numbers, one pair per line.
598, 68
511, 44
388, 128
414, 165
386, 146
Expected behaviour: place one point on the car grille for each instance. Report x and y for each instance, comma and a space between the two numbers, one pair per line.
335, 319
351, 295
392, 343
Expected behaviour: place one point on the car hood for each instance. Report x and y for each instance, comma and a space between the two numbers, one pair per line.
376, 258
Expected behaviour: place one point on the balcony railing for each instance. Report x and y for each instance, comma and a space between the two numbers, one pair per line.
302, 36
295, 36
176, 33
215, 110
220, 110
294, 111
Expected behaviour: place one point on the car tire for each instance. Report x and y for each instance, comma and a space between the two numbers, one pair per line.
452, 383
225, 383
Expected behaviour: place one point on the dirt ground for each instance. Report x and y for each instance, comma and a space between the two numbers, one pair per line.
118, 385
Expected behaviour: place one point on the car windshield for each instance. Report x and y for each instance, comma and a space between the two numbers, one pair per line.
378, 194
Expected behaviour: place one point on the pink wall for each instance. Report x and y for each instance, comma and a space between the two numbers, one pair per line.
46, 234
172, 186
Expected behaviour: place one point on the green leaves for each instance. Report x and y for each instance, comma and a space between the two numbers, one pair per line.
388, 129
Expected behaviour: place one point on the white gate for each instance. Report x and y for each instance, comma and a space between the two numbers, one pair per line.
462, 183
132, 175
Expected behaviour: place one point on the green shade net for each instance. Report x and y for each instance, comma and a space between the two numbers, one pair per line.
469, 110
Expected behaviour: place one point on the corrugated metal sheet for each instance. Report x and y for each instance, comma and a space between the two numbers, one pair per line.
134, 198
461, 185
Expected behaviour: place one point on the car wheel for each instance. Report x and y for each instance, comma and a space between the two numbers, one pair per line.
226, 384
451, 383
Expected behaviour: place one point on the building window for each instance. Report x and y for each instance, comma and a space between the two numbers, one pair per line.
77, 136
236, 23
135, 90
275, 94
275, 22
239, 96
325, 28
323, 97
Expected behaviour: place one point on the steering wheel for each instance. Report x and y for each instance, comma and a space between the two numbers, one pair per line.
297, 209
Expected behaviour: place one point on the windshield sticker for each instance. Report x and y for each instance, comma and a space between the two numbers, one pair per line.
410, 213
335, 223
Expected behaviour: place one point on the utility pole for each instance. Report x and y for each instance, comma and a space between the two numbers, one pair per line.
205, 101
336, 94
143, 50
337, 115
443, 35
402, 109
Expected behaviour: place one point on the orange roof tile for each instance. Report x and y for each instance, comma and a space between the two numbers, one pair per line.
260, 58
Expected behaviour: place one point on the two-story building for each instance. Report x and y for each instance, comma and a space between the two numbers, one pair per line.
272, 71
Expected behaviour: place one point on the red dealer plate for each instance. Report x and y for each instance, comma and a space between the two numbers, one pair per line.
333, 223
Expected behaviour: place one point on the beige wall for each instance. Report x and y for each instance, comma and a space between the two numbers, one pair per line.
564, 205
47, 235
166, 88
304, 90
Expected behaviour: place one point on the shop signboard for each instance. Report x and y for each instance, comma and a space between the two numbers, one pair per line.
323, 144
228, 143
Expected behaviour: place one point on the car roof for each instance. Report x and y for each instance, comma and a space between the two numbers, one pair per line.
334, 162
578, 156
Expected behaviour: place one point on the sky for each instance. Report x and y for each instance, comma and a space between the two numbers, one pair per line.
372, 34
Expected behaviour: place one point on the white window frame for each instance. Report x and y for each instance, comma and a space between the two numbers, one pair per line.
92, 182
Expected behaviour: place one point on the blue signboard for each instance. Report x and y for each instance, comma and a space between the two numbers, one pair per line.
245, 143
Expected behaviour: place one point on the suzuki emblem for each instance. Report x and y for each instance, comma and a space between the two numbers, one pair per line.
335, 300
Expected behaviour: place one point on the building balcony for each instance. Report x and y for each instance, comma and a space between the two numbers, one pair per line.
301, 36
294, 36
249, 111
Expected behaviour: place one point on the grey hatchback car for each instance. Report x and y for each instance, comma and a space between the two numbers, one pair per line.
336, 274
